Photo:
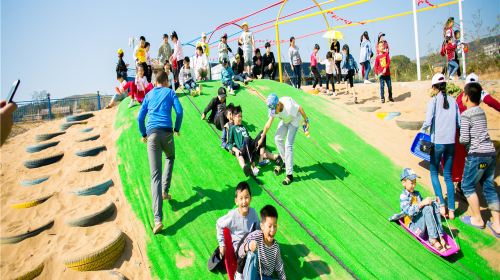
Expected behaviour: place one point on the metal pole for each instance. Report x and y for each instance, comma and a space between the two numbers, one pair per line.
49, 107
278, 45
98, 101
464, 71
415, 28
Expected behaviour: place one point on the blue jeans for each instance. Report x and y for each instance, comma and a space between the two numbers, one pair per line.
387, 80
446, 152
190, 84
297, 72
231, 85
428, 220
251, 270
481, 170
452, 67
367, 66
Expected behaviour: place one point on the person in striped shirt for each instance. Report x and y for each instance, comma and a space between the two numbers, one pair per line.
261, 249
481, 161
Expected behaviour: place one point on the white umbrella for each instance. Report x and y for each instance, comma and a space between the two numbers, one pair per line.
333, 34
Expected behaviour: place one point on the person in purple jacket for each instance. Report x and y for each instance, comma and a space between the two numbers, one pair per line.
159, 135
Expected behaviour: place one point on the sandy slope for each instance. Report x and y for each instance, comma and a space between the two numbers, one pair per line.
62, 241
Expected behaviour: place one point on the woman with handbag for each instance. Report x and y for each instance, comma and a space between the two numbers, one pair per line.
443, 119
337, 57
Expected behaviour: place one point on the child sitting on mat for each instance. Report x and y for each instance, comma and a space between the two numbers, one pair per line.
421, 215
227, 126
239, 221
246, 149
263, 256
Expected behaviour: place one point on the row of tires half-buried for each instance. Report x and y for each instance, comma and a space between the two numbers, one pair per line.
84, 221
40, 162
36, 181
98, 189
104, 257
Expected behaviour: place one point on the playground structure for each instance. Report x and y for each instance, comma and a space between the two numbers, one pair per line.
281, 20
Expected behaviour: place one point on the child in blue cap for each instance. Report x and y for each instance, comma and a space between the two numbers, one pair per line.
421, 215
289, 113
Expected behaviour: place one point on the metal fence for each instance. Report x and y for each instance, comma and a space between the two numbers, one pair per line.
48, 109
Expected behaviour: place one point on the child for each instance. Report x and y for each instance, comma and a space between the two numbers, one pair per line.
314, 67
330, 70
216, 107
261, 249
140, 88
168, 70
200, 64
148, 71
382, 69
177, 56
247, 149
186, 78
268, 62
140, 52
239, 221
257, 65
227, 126
348, 66
381, 38
448, 27
238, 67
121, 67
481, 160
224, 49
248, 45
448, 50
120, 91
227, 76
459, 45
421, 215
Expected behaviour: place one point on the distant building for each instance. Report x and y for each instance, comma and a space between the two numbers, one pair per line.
492, 49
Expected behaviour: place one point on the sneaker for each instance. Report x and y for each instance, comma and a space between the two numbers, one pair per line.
231, 92
166, 196
132, 103
334, 93
247, 170
288, 180
264, 162
255, 171
382, 101
158, 227
355, 100
367, 82
391, 99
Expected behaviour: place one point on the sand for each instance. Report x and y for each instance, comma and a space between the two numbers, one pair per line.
61, 241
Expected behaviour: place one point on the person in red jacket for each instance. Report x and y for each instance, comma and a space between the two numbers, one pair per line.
460, 152
382, 69
448, 50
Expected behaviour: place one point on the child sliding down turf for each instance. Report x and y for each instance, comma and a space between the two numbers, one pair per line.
262, 252
421, 215
239, 221
246, 149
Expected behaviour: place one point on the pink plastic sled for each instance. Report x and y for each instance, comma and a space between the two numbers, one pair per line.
454, 246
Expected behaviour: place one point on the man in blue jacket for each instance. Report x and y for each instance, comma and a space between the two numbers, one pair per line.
159, 135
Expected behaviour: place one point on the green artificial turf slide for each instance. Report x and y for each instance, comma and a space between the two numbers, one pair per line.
344, 191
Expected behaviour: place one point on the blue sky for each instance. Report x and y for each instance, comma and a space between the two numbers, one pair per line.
69, 47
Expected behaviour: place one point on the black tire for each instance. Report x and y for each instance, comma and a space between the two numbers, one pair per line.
88, 129
67, 125
41, 147
368, 109
43, 161
95, 218
91, 138
21, 237
95, 190
80, 117
93, 168
91, 152
410, 125
27, 183
47, 136
32, 274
